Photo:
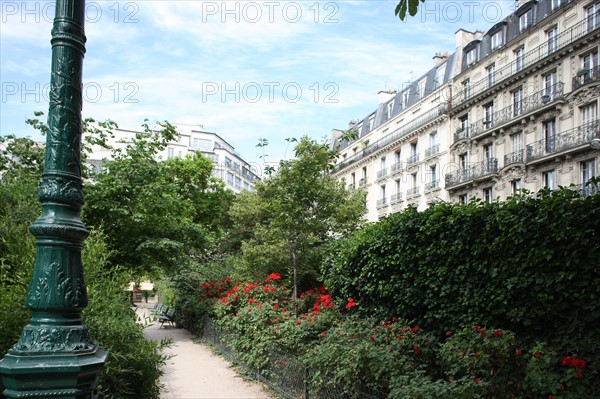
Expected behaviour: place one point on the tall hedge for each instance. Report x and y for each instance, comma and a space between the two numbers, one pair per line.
530, 264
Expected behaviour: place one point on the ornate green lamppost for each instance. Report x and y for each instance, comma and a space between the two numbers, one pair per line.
55, 356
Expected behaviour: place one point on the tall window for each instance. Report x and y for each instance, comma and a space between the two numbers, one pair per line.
422, 87
382, 163
439, 75
517, 141
550, 82
371, 122
413, 151
488, 153
519, 55
462, 199
491, 75
353, 179
390, 108
549, 179
489, 115
589, 113
518, 102
487, 195
433, 143
526, 20
463, 161
552, 39
497, 39
471, 56
588, 170
397, 157
364, 174
398, 188
590, 61
466, 89
516, 186
464, 123
382, 194
433, 173
170, 152
593, 16
549, 128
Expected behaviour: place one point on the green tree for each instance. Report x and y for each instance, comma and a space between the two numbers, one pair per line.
285, 222
156, 214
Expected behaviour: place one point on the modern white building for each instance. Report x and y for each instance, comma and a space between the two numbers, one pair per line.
229, 166
513, 108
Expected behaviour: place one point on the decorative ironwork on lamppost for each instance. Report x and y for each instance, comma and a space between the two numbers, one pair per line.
55, 356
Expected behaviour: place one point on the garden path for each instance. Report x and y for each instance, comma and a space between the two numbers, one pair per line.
195, 372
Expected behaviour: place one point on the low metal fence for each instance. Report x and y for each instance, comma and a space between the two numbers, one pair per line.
286, 375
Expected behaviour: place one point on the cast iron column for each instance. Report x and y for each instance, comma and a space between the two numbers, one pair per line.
55, 356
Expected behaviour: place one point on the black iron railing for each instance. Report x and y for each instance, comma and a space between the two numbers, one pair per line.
515, 110
585, 76
581, 29
396, 198
514, 157
434, 149
564, 141
472, 172
395, 135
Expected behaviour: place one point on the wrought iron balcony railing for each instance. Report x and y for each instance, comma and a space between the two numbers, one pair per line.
413, 159
565, 38
351, 186
434, 149
472, 172
526, 105
396, 198
432, 185
586, 189
381, 202
397, 167
412, 192
514, 157
564, 141
585, 76
382, 173
362, 182
403, 130
461, 134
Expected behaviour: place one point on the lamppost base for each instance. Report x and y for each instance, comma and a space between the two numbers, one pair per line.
58, 376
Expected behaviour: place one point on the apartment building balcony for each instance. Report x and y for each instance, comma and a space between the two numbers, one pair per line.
564, 142
382, 174
432, 185
461, 134
397, 167
514, 157
513, 112
351, 186
533, 56
362, 182
382, 203
585, 76
412, 192
431, 151
395, 198
480, 170
412, 160
394, 136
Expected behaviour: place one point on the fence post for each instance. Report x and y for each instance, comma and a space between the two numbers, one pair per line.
306, 396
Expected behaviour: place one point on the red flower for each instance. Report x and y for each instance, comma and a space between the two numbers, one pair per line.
536, 355
416, 350
372, 338
497, 333
476, 355
323, 334
477, 380
519, 352
273, 276
476, 328
579, 373
351, 303
448, 333
482, 332
414, 330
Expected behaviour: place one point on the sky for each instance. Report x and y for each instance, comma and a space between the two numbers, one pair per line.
243, 69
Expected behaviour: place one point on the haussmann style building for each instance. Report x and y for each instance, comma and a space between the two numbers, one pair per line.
513, 108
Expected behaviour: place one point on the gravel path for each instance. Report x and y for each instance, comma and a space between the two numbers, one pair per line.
194, 372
